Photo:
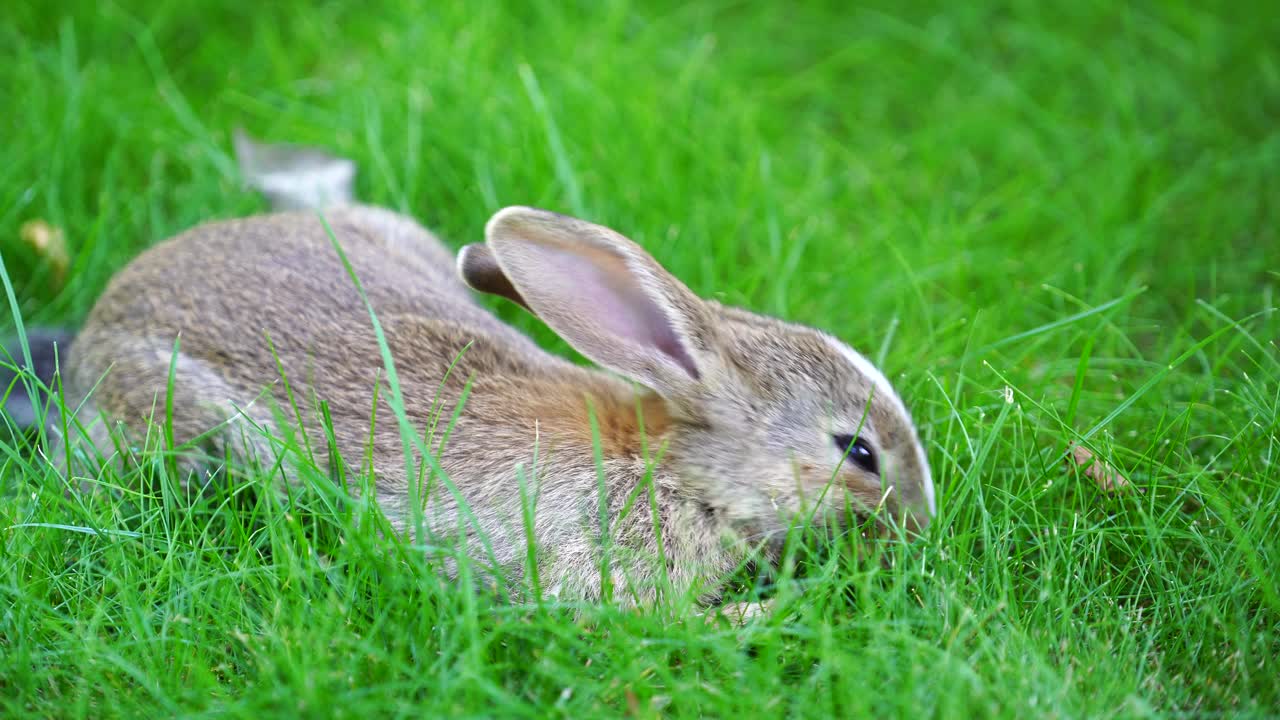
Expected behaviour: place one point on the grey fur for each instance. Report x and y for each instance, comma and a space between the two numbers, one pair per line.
46, 346
737, 409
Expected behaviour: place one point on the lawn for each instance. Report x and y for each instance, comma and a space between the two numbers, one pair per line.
1048, 222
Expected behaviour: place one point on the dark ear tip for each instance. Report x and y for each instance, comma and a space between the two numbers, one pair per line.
471, 260
480, 270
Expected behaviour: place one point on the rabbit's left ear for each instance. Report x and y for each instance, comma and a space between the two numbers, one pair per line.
479, 269
603, 294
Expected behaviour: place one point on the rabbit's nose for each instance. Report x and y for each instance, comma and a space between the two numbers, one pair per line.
917, 522
899, 504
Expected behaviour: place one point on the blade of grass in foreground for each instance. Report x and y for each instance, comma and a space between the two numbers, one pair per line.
30, 382
409, 437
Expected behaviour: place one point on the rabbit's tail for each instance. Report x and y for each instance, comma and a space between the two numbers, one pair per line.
25, 388
295, 177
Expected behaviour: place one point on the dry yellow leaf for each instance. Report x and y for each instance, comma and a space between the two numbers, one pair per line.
633, 702
51, 244
1108, 478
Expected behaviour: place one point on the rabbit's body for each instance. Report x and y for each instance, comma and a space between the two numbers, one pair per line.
268, 320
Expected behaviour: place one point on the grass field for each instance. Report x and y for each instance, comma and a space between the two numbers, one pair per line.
1049, 222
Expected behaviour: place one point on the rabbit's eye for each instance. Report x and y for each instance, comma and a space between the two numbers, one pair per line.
859, 452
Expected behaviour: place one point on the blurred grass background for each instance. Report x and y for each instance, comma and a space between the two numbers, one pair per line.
1075, 201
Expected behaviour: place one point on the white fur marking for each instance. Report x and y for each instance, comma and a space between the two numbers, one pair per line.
885, 390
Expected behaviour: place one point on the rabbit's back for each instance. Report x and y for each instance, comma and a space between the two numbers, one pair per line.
229, 282
266, 304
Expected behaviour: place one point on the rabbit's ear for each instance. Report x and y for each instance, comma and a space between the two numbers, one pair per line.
481, 272
603, 294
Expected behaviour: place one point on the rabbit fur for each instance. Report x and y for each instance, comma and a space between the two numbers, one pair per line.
729, 413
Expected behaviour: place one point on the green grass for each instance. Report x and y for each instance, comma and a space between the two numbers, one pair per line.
1071, 201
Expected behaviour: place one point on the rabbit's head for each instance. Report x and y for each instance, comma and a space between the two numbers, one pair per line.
769, 419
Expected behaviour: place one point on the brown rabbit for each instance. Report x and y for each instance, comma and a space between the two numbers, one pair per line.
743, 421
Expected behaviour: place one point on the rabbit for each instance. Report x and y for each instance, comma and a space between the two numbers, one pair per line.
28, 404
742, 423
